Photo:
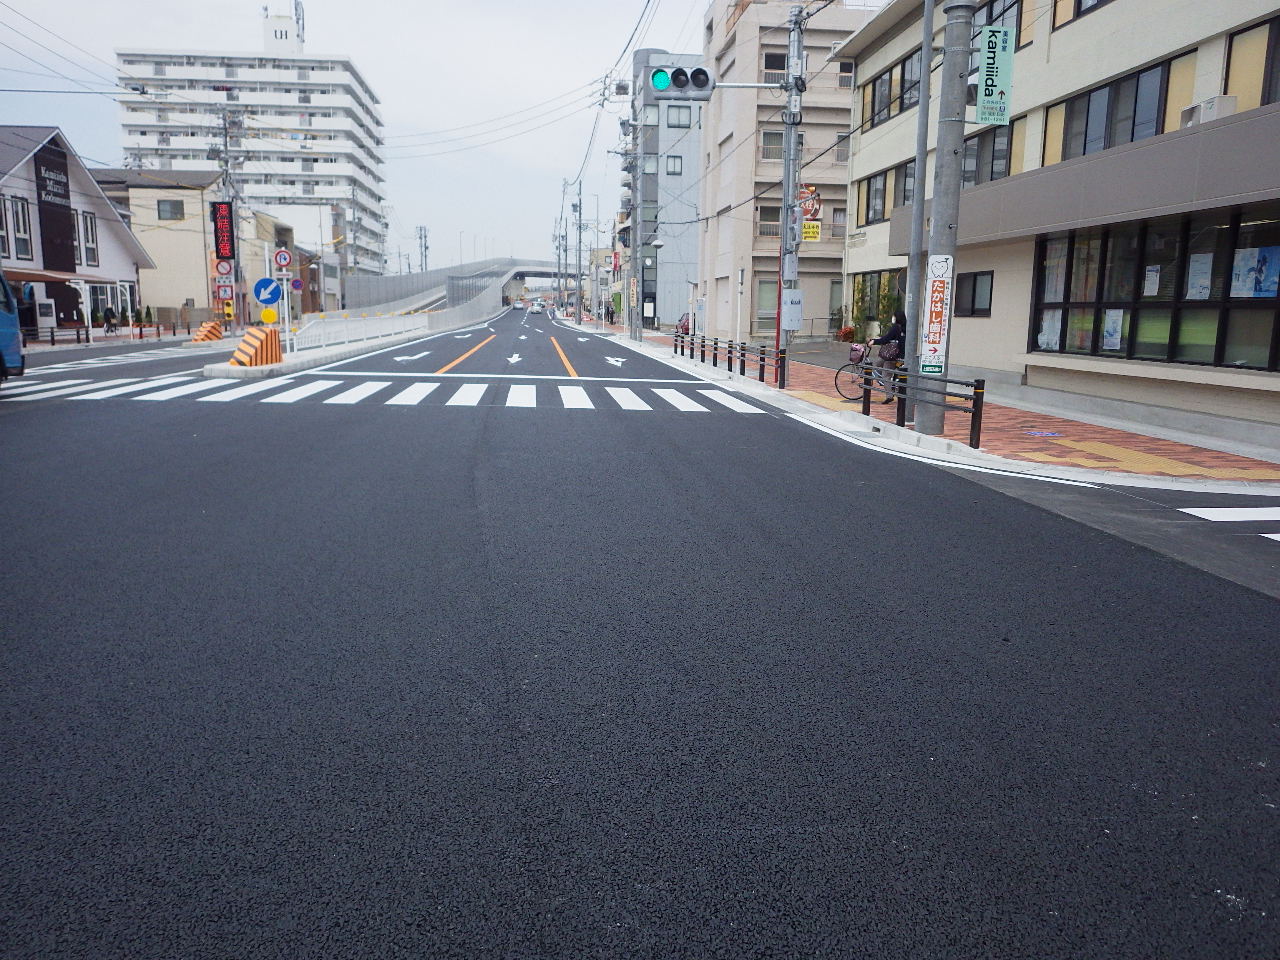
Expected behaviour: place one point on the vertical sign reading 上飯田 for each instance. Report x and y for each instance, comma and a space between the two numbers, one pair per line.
222, 214
995, 74
933, 335
53, 206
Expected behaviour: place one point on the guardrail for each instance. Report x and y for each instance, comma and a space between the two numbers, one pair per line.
918, 383
695, 347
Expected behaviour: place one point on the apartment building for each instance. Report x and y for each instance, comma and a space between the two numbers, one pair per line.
658, 228
745, 41
1119, 240
302, 133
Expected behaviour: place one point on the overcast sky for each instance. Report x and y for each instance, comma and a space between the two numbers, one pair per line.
435, 66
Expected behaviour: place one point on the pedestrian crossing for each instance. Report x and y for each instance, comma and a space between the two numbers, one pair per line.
1268, 514
138, 356
689, 398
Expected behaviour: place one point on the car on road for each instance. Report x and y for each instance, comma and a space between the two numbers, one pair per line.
13, 362
535, 307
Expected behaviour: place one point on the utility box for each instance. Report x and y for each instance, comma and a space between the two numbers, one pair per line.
1215, 108
46, 315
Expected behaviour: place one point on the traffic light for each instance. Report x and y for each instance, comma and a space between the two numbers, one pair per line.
229, 309
679, 83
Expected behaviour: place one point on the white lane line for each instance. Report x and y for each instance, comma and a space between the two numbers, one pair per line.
66, 390
679, 400
298, 393
132, 388
972, 468
1271, 536
248, 390
522, 395
410, 396
468, 395
187, 388
30, 385
358, 393
627, 399
1233, 514
730, 401
575, 398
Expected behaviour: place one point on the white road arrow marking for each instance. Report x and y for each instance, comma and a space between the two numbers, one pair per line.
583, 339
536, 330
514, 358
617, 361
462, 336
416, 356
523, 337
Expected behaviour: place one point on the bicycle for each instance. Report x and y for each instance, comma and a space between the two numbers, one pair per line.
850, 377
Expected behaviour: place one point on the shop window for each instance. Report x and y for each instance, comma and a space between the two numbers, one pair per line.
169, 210
1086, 262
1249, 335
1123, 258
1152, 338
1160, 263
973, 294
1197, 334
22, 249
1255, 264
1253, 66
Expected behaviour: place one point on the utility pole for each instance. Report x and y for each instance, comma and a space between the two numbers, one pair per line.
915, 261
789, 258
939, 272
577, 279
423, 248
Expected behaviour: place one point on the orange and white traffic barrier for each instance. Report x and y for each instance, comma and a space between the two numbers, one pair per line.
209, 330
260, 346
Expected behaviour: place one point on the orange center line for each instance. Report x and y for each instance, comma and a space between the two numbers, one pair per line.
563, 359
449, 366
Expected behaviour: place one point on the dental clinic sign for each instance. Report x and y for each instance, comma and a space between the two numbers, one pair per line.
995, 74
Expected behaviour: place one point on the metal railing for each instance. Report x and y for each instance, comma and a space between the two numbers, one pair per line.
917, 384
137, 331
736, 355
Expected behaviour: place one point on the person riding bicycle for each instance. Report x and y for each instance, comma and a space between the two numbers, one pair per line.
893, 347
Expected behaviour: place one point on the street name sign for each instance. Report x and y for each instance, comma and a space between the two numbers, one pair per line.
995, 74
939, 285
267, 291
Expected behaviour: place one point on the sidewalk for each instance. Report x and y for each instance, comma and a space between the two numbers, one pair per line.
124, 336
1016, 434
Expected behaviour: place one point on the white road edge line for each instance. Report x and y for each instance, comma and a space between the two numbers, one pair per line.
939, 463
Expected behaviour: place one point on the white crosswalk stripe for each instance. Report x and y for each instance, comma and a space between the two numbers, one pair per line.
64, 391
248, 390
411, 396
575, 398
468, 395
522, 395
187, 388
358, 393
627, 399
1233, 514
306, 390
31, 385
730, 401
679, 400
132, 388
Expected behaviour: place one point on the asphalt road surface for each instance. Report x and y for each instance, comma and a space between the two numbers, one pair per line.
567, 656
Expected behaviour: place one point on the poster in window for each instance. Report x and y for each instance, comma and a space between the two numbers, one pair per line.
1112, 329
1151, 281
1199, 276
1256, 272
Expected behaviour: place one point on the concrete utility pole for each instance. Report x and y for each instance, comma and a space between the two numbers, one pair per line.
577, 278
423, 248
957, 46
789, 265
915, 262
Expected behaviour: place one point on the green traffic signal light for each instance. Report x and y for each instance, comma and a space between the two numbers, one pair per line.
661, 80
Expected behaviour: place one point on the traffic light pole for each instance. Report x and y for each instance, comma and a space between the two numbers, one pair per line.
939, 274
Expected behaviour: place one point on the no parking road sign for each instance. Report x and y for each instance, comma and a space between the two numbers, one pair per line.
267, 291
283, 258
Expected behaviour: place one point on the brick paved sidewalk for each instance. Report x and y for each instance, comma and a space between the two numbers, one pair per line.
1041, 438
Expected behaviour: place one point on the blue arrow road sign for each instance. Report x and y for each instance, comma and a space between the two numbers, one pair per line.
266, 290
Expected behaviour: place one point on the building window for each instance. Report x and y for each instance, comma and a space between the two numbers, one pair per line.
1064, 11
21, 228
842, 148
675, 165
75, 237
89, 238
904, 183
973, 294
839, 222
890, 93
845, 77
871, 198
775, 68
766, 306
169, 210
649, 163
679, 115
1132, 108
997, 13
1253, 66
1201, 288
4, 228
768, 221
771, 145
649, 115
989, 155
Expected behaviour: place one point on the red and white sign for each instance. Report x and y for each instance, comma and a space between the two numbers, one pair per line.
283, 258
225, 291
810, 202
939, 277
224, 268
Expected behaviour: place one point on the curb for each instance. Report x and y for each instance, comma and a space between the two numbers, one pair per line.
945, 452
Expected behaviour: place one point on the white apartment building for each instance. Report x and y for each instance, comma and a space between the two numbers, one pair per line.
1119, 240
301, 131
745, 41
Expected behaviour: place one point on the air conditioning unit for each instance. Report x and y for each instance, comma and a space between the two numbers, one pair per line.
1215, 108
622, 89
